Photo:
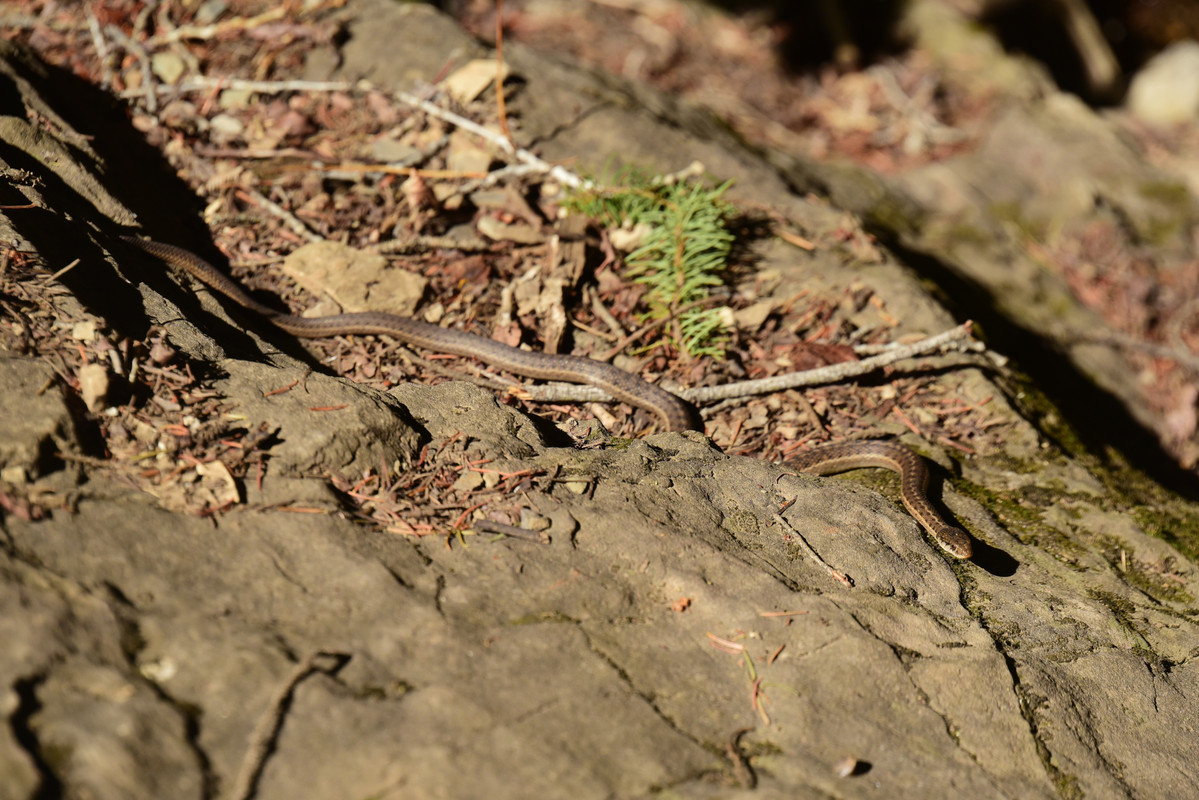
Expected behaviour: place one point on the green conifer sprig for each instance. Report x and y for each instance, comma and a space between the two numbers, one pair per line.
684, 251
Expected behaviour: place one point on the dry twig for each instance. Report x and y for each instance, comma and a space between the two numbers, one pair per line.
952, 339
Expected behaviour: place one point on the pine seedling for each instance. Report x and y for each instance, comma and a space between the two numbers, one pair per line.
683, 250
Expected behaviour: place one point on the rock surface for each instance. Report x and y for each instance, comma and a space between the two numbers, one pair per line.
144, 647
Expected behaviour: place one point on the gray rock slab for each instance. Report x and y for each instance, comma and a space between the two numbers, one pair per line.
143, 648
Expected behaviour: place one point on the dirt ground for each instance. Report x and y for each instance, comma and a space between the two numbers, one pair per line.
236, 565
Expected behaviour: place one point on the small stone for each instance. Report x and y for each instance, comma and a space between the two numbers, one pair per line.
472, 79
845, 767
1166, 90
225, 128
233, 99
628, 239
751, 318
168, 67
519, 233
434, 312
468, 482
93, 386
16, 475
84, 331
467, 155
210, 11
390, 151
159, 671
533, 521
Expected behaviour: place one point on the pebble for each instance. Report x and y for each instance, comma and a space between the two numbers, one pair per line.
1166, 90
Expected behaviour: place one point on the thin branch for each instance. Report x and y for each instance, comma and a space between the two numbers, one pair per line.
491, 526
1099, 62
560, 174
205, 84
653, 325
529, 161
951, 339
101, 46
829, 374
286, 217
216, 29
150, 85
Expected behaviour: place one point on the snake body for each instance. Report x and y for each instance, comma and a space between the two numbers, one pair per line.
841, 456
675, 412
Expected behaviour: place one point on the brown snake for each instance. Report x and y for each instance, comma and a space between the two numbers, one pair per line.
913, 474
676, 412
